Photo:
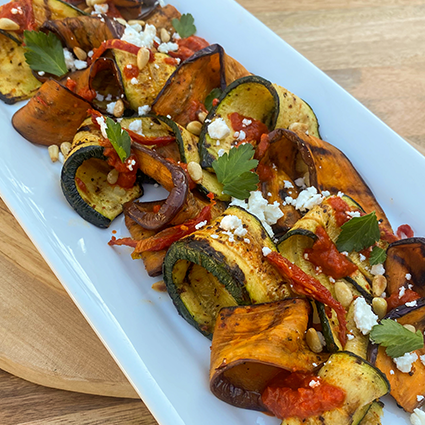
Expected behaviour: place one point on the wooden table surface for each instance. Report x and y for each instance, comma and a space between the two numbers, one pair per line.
374, 50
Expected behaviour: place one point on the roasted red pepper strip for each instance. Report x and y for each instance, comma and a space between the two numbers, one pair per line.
164, 239
150, 141
303, 284
114, 44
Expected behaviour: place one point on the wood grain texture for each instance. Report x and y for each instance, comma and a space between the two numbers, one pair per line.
373, 49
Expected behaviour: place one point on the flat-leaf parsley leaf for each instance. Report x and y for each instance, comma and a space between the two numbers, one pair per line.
358, 233
119, 138
377, 256
44, 53
185, 25
396, 338
213, 94
234, 171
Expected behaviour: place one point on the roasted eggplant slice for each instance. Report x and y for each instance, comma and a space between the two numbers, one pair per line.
405, 387
253, 344
213, 268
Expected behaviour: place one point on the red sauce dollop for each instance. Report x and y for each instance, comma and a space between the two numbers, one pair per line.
405, 231
194, 108
20, 12
293, 396
71, 84
131, 71
252, 131
188, 46
395, 300
340, 208
324, 254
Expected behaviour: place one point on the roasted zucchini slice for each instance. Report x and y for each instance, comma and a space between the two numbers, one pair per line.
45, 10
213, 268
362, 382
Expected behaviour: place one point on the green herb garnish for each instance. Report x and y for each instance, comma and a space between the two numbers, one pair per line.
214, 94
358, 233
185, 25
234, 171
119, 138
396, 338
44, 53
377, 256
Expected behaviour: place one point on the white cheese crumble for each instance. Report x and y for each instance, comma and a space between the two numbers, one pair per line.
201, 224
90, 54
331, 279
267, 213
100, 8
353, 213
377, 269
246, 122
102, 125
392, 372
246, 240
214, 236
110, 107
240, 135
364, 317
417, 417
300, 182
422, 359
350, 337
218, 129
133, 34
266, 251
230, 222
143, 110
419, 397
307, 199
221, 152
99, 97
136, 126
404, 363
168, 47
14, 11
134, 81
80, 64
287, 184
40, 73
401, 292
411, 303
408, 276
230, 234
362, 257
131, 163
313, 383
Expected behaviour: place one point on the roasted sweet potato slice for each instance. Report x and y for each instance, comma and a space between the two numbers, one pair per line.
252, 344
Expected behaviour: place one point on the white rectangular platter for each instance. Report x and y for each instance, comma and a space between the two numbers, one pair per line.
165, 359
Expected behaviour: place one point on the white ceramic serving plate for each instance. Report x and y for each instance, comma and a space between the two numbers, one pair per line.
164, 358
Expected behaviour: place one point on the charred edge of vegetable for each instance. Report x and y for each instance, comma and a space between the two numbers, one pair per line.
299, 232
355, 203
70, 191
394, 314
407, 241
367, 295
206, 158
312, 111
331, 345
200, 252
206, 51
74, 7
11, 36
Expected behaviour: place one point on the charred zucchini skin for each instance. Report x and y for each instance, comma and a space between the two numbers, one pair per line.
209, 153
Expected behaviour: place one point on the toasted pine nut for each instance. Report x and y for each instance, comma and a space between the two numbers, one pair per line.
53, 152
195, 171
118, 108
165, 35
80, 53
379, 284
65, 148
343, 293
380, 306
313, 341
194, 127
7, 24
411, 328
202, 116
136, 21
142, 57
122, 21
112, 176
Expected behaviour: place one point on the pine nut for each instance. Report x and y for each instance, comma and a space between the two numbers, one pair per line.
7, 24
194, 127
313, 341
80, 53
165, 35
195, 171
411, 328
122, 21
118, 108
136, 22
379, 284
53, 152
343, 293
202, 116
65, 148
112, 176
380, 306
142, 57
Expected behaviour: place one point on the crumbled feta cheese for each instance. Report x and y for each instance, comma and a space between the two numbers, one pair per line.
331, 279
108, 97
133, 34
340, 194
362, 257
102, 125
300, 182
241, 135
240, 231
287, 184
40, 73
246, 240
404, 363
314, 364
401, 292
392, 372
325, 193
350, 337
217, 143
313, 383
136, 126
90, 53
344, 253
218, 129
411, 303
214, 236
156, 66
230, 222
176, 36
134, 81
266, 251
143, 110
422, 359
100, 8
408, 276
246, 122
377, 269
110, 107
130, 164
201, 224
69, 59
221, 152
417, 417
353, 213
14, 11
364, 317
168, 47
100, 97
419, 397
230, 234
306, 200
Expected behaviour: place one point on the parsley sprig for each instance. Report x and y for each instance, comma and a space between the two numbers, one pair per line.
185, 25
44, 52
359, 233
119, 138
234, 171
377, 256
396, 338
